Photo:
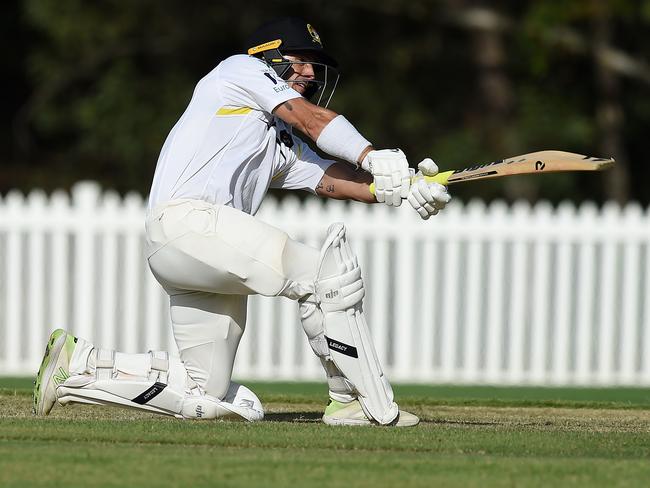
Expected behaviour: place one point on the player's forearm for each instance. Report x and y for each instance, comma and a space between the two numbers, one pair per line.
341, 190
313, 126
308, 118
332, 133
342, 182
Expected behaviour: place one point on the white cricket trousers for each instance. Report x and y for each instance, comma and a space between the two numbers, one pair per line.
209, 258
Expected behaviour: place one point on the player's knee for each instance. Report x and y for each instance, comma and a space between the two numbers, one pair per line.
311, 318
339, 285
217, 385
299, 267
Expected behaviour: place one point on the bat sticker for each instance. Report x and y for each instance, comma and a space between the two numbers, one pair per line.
471, 177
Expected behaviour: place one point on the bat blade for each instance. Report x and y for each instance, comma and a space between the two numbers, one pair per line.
536, 162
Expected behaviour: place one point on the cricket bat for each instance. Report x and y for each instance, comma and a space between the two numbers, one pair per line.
536, 162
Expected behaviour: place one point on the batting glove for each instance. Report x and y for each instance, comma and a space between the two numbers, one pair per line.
390, 171
427, 198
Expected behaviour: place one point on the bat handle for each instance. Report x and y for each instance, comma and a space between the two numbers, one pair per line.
441, 178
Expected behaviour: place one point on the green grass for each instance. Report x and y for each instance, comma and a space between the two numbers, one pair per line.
469, 436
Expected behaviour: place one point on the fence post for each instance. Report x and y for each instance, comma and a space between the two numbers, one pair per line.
14, 284
85, 196
108, 325
517, 293
132, 215
38, 217
404, 283
585, 293
495, 317
59, 257
540, 327
645, 317
562, 291
428, 290
608, 286
473, 296
632, 220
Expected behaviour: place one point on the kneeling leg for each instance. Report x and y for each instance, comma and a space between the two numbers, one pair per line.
156, 382
207, 328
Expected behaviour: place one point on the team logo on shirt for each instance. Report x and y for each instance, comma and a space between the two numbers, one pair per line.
314, 35
285, 139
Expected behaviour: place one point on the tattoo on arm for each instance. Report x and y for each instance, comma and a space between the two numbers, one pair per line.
329, 188
289, 107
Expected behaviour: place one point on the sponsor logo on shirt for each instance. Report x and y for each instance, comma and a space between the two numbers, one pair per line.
281, 88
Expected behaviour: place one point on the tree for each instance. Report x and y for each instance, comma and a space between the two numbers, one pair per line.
100, 84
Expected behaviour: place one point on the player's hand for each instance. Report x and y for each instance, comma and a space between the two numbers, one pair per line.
390, 171
427, 198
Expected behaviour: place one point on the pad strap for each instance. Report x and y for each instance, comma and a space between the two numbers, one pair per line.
340, 292
105, 364
159, 366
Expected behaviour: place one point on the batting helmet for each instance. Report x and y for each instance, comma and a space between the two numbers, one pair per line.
291, 35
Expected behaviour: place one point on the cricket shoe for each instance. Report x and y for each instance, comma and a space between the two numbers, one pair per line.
338, 413
54, 370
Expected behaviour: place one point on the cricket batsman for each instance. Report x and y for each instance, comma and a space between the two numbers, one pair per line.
234, 141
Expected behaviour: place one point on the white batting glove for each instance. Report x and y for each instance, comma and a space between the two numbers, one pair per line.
427, 198
390, 171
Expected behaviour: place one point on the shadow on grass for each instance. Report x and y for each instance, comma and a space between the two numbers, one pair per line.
294, 417
315, 417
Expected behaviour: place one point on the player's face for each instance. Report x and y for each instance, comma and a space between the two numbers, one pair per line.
301, 73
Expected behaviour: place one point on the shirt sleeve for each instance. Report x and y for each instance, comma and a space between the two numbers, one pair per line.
249, 82
305, 173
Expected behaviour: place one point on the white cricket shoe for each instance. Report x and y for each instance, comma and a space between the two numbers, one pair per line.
54, 370
338, 413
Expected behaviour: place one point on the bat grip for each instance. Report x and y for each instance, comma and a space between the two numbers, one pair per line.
441, 178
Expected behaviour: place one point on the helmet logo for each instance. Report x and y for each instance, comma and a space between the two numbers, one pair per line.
314, 35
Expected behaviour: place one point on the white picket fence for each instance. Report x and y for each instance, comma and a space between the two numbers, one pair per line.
496, 295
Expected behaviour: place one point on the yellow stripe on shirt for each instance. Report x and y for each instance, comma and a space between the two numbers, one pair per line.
234, 110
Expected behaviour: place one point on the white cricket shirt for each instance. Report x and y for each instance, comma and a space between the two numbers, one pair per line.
228, 148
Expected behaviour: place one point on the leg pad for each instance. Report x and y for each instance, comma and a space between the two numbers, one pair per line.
339, 292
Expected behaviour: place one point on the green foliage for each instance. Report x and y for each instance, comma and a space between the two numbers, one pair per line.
103, 83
